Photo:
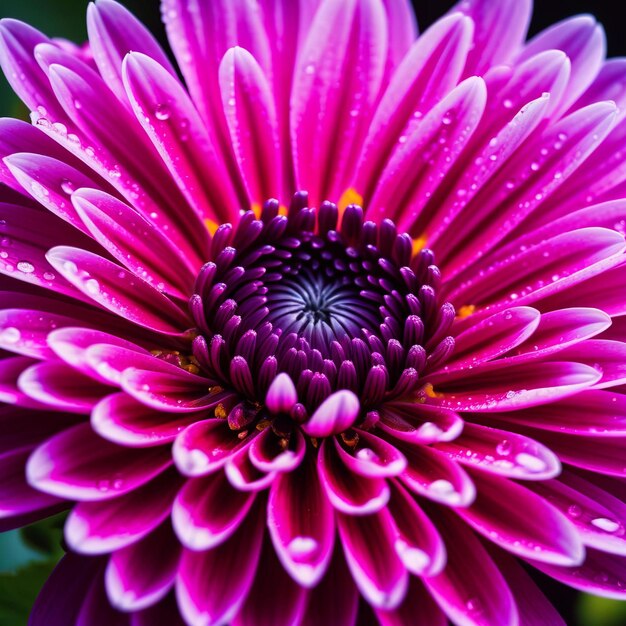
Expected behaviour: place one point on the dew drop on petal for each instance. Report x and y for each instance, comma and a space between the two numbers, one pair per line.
300, 547
162, 112
10, 335
607, 525
574, 511
25, 267
530, 462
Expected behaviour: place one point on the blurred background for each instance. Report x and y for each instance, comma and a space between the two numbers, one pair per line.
28, 556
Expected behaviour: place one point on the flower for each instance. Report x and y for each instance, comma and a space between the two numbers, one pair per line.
333, 332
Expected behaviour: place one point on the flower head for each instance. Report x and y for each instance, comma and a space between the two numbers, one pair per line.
332, 329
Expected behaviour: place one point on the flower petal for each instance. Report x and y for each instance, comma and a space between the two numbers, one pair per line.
301, 525
336, 414
377, 570
105, 526
78, 465
141, 574
207, 511
212, 584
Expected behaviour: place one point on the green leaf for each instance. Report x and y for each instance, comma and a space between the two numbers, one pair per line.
19, 590
595, 611
45, 536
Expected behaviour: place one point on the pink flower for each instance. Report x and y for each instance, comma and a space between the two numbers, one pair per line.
282, 411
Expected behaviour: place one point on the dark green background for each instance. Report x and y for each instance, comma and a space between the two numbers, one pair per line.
26, 557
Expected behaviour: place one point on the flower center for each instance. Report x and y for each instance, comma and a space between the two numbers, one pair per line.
332, 306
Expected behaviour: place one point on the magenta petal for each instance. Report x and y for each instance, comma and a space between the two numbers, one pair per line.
61, 598
484, 597
212, 584
275, 599
141, 574
598, 515
163, 612
495, 387
371, 456
281, 395
336, 414
348, 492
493, 336
103, 527
419, 423
96, 609
500, 31
11, 369
300, 520
178, 133
521, 522
337, 78
204, 447
335, 600
502, 452
534, 608
59, 386
418, 607
429, 71
78, 465
113, 32
122, 420
135, 242
601, 574
432, 474
607, 356
17, 497
251, 116
268, 455
71, 345
244, 475
377, 570
418, 543
118, 291
207, 511
168, 388
25, 331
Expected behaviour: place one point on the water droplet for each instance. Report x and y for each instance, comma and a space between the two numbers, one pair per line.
530, 462
504, 447
574, 511
416, 560
446, 121
309, 69
162, 112
92, 286
366, 454
10, 335
78, 104
26, 267
302, 547
68, 186
508, 104
607, 525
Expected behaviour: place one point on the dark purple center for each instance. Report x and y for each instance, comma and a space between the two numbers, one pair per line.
348, 307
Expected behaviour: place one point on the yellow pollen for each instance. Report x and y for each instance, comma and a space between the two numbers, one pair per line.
419, 244
429, 391
220, 412
349, 196
263, 424
256, 208
211, 226
214, 390
243, 434
465, 311
283, 210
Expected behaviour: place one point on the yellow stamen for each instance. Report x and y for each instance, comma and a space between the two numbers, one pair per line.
211, 226
257, 208
465, 311
349, 196
220, 412
419, 244
283, 210
429, 391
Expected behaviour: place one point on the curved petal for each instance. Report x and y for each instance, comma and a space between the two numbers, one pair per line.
78, 465
106, 526
207, 511
377, 570
300, 520
141, 574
